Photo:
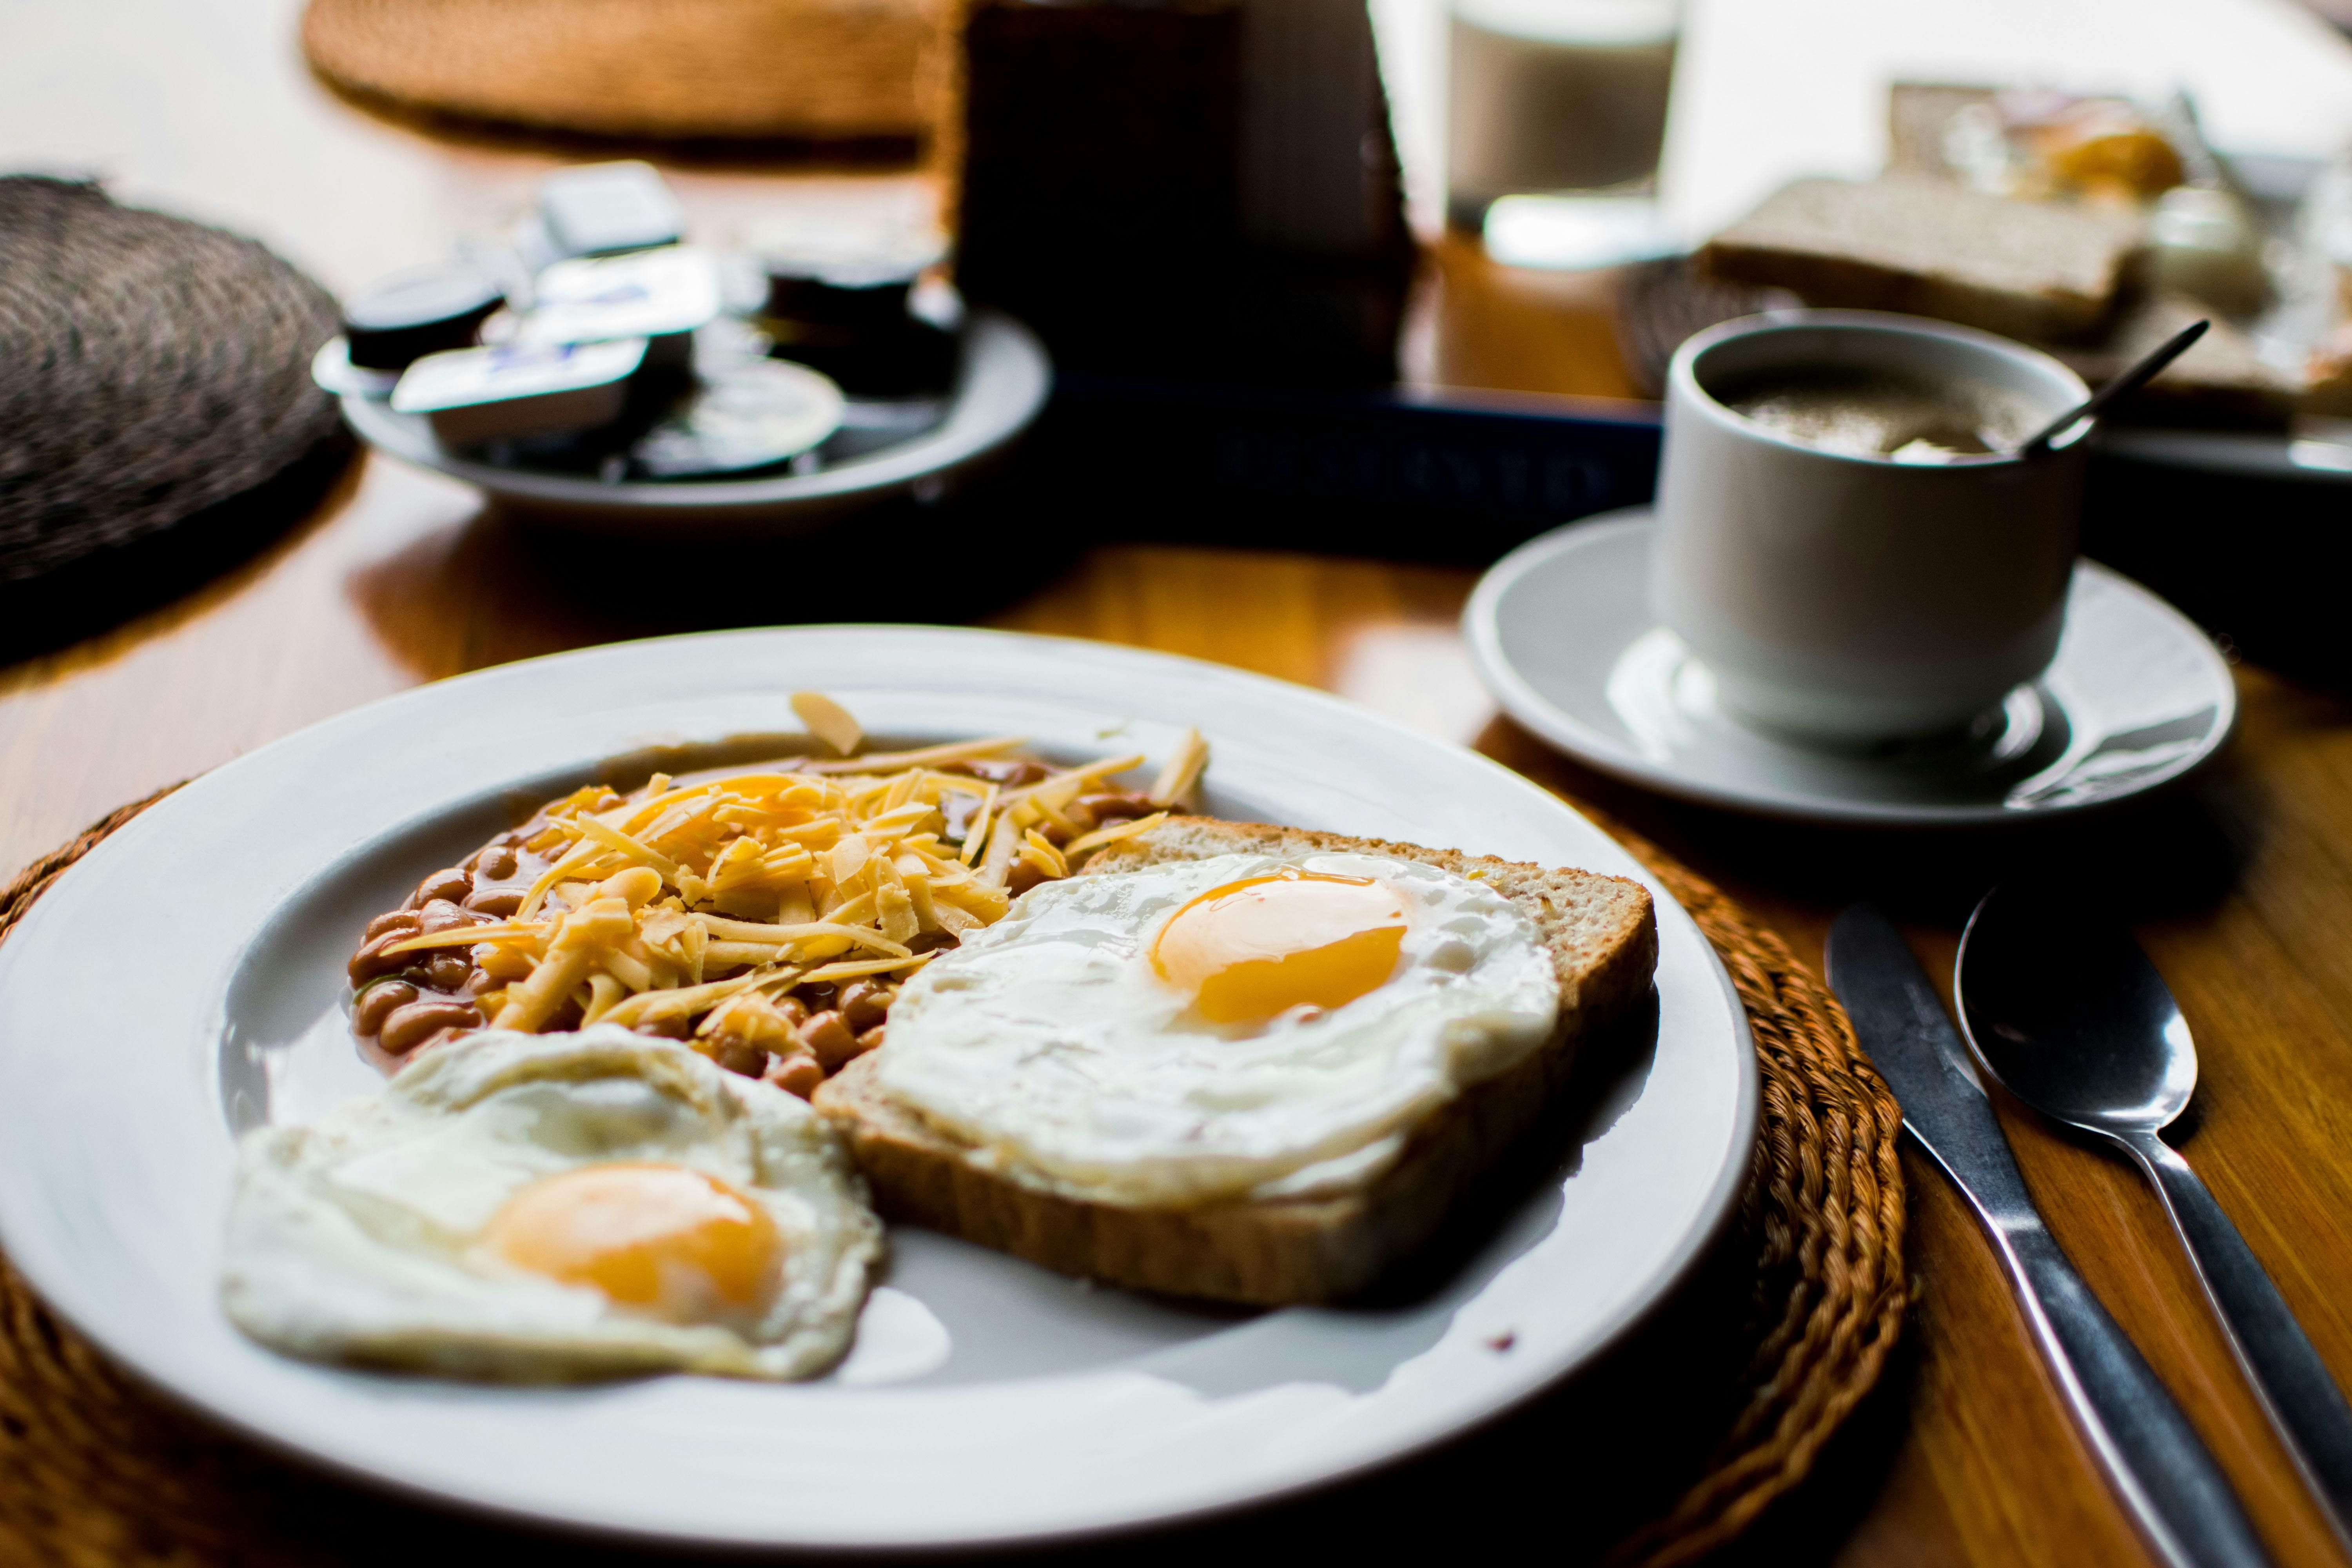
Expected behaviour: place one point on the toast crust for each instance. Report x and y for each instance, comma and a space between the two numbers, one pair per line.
1602, 932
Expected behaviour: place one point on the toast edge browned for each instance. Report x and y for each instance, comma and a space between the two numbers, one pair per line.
1258, 1251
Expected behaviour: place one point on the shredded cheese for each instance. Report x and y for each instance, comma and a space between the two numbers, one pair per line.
714, 901
1182, 772
1086, 842
828, 720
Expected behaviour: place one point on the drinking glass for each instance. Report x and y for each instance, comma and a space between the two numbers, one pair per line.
1557, 113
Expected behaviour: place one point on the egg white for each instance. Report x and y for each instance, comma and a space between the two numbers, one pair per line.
352, 1238
1049, 1043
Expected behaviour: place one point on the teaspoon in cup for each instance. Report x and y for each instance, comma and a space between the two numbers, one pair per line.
2064, 1008
2138, 374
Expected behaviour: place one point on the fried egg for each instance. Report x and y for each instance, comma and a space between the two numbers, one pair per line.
541, 1206
1239, 1024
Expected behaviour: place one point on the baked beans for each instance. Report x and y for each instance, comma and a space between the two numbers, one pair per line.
792, 1036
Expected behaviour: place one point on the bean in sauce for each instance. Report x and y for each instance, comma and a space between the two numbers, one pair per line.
450, 885
828, 1039
376, 1003
371, 961
403, 920
438, 915
742, 1056
798, 1073
408, 1026
864, 1004
449, 971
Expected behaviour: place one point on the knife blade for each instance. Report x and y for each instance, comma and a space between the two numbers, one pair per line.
2158, 1464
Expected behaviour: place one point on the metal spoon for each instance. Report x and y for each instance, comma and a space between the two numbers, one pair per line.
2130, 381
2062, 1007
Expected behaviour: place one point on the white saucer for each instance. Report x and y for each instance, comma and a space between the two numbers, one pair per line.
1562, 636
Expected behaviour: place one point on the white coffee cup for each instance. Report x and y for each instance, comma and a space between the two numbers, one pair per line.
1855, 598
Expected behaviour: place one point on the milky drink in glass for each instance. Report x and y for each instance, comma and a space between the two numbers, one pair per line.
1554, 95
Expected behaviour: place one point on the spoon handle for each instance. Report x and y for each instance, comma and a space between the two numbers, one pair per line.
2301, 1399
2129, 381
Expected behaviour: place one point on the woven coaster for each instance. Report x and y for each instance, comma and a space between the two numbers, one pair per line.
673, 70
1662, 302
154, 369
94, 1470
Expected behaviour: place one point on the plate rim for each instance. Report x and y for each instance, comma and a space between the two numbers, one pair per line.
1715, 1214
1482, 630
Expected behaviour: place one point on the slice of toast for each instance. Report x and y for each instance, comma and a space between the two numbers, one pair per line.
2031, 269
1602, 933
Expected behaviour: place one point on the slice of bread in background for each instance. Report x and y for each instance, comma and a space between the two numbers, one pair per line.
1926, 247
1602, 933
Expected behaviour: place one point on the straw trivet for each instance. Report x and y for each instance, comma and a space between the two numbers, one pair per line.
153, 368
1662, 302
666, 68
95, 1471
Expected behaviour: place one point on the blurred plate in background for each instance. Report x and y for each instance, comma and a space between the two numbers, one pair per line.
1003, 378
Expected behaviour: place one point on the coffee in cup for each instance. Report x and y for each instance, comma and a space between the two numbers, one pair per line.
1866, 413
1847, 538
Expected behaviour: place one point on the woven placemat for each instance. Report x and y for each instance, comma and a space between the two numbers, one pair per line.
94, 1470
669, 70
153, 369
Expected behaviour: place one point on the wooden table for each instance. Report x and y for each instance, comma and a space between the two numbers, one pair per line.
2241, 886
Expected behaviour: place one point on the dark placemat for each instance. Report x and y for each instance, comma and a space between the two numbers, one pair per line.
95, 1471
150, 369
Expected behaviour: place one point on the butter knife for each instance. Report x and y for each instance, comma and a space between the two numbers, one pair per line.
2153, 1457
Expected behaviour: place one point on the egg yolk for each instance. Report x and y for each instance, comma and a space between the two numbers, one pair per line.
668, 1240
1254, 949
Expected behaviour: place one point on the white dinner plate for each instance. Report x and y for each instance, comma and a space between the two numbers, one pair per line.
185, 979
1561, 634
